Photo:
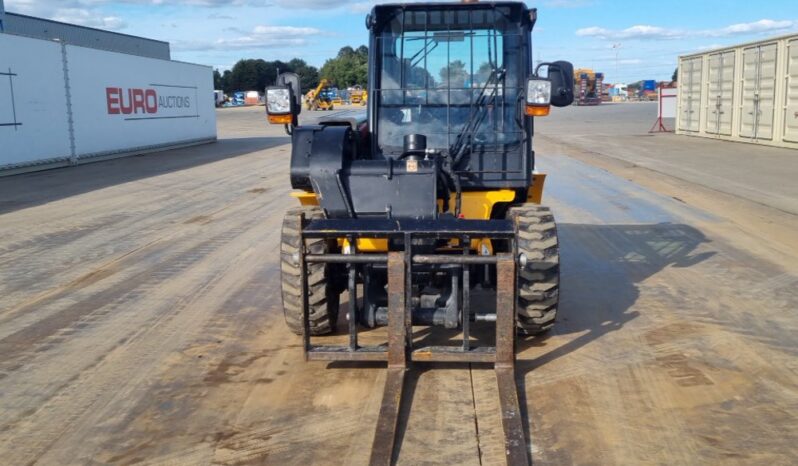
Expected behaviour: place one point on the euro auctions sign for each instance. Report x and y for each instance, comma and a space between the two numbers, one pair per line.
156, 101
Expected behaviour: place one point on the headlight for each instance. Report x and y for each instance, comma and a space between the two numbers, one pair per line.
278, 101
538, 92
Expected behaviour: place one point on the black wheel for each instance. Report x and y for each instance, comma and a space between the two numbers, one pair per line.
323, 295
539, 280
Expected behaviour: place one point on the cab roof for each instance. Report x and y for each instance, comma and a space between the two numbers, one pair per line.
383, 12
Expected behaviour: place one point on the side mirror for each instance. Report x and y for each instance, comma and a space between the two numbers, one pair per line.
292, 81
561, 75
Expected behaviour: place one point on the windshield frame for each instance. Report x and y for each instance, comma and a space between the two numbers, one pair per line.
512, 23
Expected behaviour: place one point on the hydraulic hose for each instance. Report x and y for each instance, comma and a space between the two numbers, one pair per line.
448, 169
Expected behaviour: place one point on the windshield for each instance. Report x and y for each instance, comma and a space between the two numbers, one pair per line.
445, 73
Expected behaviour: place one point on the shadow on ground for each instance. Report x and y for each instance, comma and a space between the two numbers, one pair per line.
601, 269
36, 188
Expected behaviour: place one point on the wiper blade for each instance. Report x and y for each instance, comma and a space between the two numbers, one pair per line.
425, 51
457, 150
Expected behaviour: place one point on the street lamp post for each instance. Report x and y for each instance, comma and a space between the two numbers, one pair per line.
617, 48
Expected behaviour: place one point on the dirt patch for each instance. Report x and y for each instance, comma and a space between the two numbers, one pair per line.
199, 220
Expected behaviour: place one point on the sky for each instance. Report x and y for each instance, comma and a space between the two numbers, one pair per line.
628, 40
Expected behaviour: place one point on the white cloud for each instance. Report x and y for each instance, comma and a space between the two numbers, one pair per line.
708, 47
361, 7
43, 7
312, 4
638, 32
261, 37
761, 26
80, 12
284, 31
89, 18
219, 16
648, 32
90, 12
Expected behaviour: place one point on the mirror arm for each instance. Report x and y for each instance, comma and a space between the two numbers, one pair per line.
540, 65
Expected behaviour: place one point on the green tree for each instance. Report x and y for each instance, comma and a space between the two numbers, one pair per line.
675, 76
257, 74
226, 77
308, 75
218, 83
346, 51
483, 73
348, 68
454, 75
250, 75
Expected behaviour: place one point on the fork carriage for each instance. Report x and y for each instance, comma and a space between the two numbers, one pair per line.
402, 265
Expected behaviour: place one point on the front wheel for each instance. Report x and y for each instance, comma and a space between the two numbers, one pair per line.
323, 295
538, 285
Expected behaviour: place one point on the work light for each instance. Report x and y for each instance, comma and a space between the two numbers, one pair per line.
278, 101
538, 97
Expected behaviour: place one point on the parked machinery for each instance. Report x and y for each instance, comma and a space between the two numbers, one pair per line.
431, 197
589, 86
319, 99
336, 96
358, 96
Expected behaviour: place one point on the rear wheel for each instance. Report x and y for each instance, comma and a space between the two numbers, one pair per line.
539, 279
323, 296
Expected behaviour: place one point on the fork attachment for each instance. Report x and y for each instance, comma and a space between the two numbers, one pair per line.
400, 350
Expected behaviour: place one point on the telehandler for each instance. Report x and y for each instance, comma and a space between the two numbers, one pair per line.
429, 196
319, 99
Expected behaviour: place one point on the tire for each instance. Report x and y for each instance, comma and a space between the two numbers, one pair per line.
539, 280
323, 295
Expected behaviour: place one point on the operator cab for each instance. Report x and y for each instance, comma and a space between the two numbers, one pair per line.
452, 95
439, 67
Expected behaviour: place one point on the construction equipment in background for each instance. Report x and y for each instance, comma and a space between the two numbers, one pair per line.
335, 96
318, 99
589, 86
358, 96
648, 90
428, 196
219, 98
238, 99
618, 92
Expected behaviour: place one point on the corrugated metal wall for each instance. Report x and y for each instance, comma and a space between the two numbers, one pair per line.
745, 93
85, 37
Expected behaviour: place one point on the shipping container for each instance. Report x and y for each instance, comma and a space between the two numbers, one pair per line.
73, 105
747, 93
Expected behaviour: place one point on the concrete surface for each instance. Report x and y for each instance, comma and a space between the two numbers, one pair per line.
766, 175
140, 322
